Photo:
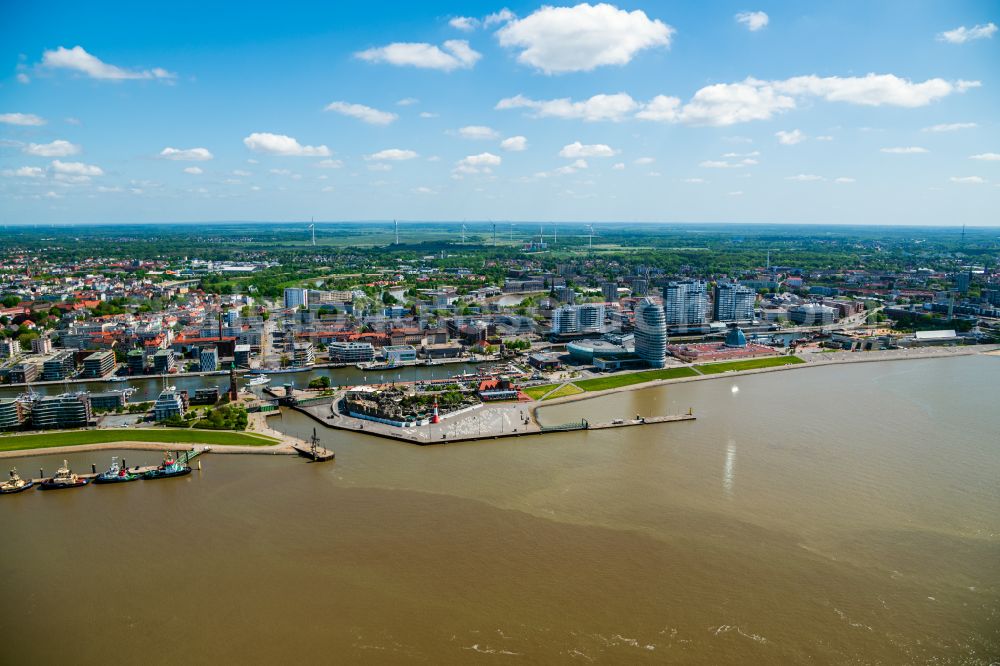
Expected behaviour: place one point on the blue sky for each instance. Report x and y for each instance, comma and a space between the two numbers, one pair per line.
651, 111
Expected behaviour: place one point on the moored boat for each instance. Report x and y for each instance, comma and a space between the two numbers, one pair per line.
257, 380
15, 484
169, 468
115, 474
64, 478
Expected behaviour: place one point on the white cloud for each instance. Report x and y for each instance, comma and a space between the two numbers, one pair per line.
618, 166
474, 164
361, 112
79, 60
24, 172
986, 157
393, 154
615, 107
464, 23
329, 164
694, 181
962, 34
280, 144
514, 143
456, 55
967, 180
753, 153
23, 78
737, 193
242, 173
428, 114
380, 166
27, 119
824, 137
477, 132
408, 101
645, 160
790, 138
582, 38
949, 127
754, 21
57, 148
723, 164
502, 16
193, 170
186, 154
423, 190
843, 180
805, 177
577, 149
577, 165
280, 172
904, 150
872, 89
74, 172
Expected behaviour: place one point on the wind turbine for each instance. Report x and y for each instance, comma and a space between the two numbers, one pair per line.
591, 228
395, 225
494, 234
463, 234
312, 228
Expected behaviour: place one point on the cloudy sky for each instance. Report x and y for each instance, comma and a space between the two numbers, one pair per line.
847, 112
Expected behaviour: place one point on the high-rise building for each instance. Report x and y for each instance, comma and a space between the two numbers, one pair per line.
962, 282
685, 303
576, 319
733, 302
610, 292
650, 333
296, 296
136, 359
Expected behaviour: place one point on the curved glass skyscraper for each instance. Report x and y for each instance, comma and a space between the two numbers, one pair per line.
650, 333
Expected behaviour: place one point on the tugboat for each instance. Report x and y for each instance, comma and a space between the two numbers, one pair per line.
15, 484
116, 474
169, 468
64, 478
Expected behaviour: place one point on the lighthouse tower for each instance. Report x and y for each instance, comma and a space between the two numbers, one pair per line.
435, 418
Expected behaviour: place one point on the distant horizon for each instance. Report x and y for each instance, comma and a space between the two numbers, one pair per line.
535, 223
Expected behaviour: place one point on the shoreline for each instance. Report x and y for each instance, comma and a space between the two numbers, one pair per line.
130, 445
838, 358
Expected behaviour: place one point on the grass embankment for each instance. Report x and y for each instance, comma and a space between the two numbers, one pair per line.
568, 389
536, 392
749, 364
74, 438
617, 381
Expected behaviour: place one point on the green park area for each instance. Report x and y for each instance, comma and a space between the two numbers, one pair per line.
536, 392
617, 381
749, 364
172, 436
563, 391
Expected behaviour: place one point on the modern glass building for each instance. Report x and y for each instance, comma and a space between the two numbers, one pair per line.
650, 333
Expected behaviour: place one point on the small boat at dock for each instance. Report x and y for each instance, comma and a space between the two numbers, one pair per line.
64, 478
116, 474
257, 380
15, 484
169, 468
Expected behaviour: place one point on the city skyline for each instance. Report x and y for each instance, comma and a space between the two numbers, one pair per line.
638, 112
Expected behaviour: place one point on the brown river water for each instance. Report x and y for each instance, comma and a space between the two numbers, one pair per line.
836, 515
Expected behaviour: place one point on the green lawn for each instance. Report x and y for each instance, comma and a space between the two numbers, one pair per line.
749, 364
536, 392
616, 381
73, 438
568, 389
